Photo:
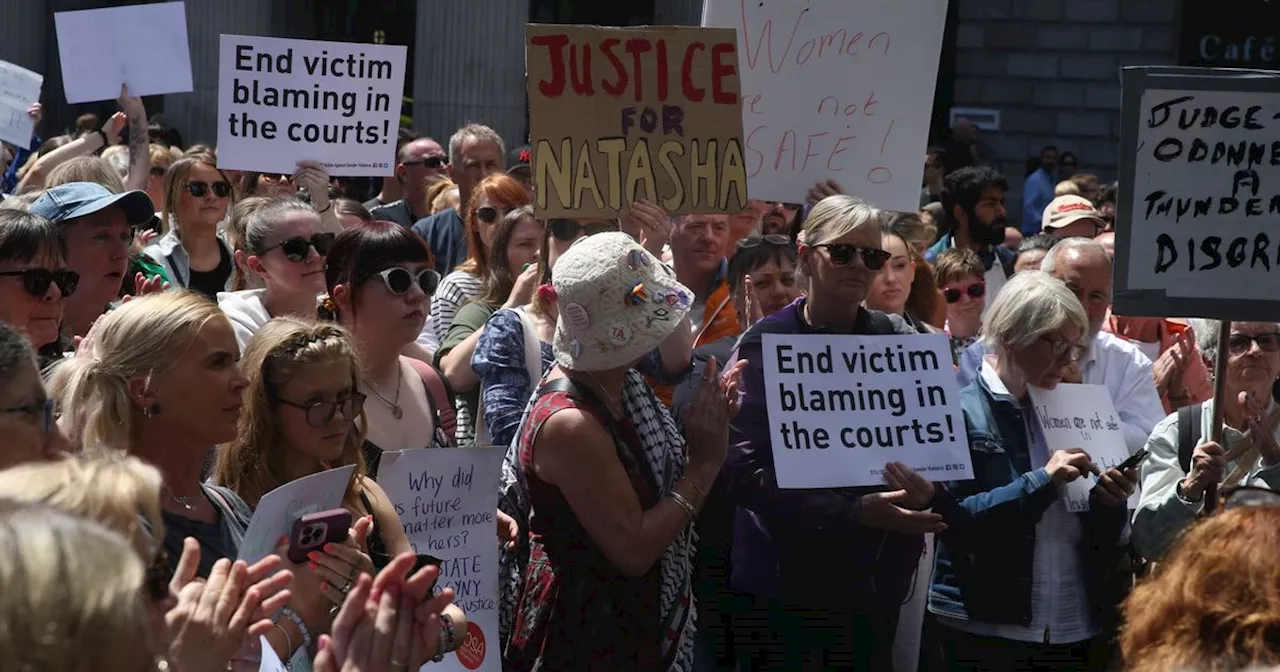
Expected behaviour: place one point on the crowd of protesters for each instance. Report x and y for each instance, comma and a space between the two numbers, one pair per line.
178, 339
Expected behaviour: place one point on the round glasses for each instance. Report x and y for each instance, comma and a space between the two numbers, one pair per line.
321, 413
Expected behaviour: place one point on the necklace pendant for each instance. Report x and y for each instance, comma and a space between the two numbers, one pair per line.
397, 412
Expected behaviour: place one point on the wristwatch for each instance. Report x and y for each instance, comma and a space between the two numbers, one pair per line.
446, 638
1185, 499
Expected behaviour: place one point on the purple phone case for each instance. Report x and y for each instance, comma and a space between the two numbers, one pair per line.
311, 532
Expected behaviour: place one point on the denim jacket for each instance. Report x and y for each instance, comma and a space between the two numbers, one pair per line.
984, 561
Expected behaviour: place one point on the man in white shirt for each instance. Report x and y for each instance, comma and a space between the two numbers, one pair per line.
1085, 267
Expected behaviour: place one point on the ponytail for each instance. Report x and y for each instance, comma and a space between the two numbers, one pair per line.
93, 401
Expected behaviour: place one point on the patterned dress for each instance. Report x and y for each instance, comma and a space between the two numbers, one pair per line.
576, 611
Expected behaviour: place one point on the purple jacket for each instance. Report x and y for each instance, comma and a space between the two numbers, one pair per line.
805, 547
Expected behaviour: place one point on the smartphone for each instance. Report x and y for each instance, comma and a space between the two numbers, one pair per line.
311, 532
1134, 460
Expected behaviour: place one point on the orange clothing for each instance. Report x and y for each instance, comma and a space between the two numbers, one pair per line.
719, 320
1196, 380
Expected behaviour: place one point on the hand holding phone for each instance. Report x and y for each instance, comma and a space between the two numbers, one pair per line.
313, 531
1133, 461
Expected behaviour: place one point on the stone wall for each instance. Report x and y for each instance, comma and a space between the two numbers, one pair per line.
1052, 68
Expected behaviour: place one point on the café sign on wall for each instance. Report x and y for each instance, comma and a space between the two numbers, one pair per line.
1230, 33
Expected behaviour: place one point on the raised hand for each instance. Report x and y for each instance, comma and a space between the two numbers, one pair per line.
649, 223
919, 491
822, 190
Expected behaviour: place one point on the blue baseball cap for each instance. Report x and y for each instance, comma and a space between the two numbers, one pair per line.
78, 199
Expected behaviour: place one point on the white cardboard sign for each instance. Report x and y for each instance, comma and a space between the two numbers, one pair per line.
283, 101
278, 509
19, 88
835, 89
447, 499
144, 46
841, 407
1081, 416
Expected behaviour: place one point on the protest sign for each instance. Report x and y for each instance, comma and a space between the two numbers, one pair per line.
1081, 416
447, 500
144, 46
284, 101
278, 509
835, 89
622, 114
1196, 232
841, 407
270, 662
19, 88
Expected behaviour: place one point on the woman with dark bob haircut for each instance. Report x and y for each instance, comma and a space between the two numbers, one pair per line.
34, 279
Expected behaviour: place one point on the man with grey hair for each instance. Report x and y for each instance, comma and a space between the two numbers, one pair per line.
475, 152
1085, 267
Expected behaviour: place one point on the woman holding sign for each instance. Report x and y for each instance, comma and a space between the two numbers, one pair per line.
1020, 582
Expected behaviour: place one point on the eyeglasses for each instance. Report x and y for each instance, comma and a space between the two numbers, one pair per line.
489, 215
1059, 349
159, 574
1239, 344
975, 291
43, 412
756, 241
37, 280
199, 189
157, 171
429, 162
298, 248
399, 280
321, 413
842, 255
566, 230
1248, 495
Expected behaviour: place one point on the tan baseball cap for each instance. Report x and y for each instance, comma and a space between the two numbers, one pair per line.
1065, 210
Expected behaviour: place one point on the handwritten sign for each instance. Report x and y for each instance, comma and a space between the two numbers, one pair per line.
447, 500
282, 101
841, 407
622, 114
19, 88
1200, 166
1082, 416
835, 89
144, 46
278, 509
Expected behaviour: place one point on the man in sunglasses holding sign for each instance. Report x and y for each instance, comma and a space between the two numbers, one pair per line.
418, 165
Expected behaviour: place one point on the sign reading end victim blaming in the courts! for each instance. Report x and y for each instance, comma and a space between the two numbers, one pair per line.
1197, 230
835, 89
841, 407
622, 114
283, 101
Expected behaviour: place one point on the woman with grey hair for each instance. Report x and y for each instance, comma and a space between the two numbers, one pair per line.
1020, 582
1184, 462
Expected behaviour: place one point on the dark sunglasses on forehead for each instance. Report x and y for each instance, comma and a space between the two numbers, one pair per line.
399, 280
567, 229
1239, 344
298, 248
42, 412
975, 291
199, 189
37, 280
843, 255
489, 215
429, 162
773, 240
321, 413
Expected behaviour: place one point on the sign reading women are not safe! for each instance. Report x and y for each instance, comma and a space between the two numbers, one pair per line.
623, 114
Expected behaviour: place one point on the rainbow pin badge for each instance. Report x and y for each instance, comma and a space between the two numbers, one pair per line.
637, 296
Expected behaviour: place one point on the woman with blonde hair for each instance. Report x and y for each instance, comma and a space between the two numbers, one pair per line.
243, 277
71, 594
305, 414
197, 196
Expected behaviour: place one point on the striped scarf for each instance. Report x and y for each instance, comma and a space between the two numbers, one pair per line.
664, 456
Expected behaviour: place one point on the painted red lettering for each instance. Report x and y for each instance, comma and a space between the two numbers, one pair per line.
637, 46
720, 70
662, 70
837, 150
752, 102
555, 44
691, 91
754, 154
607, 46
766, 36
582, 84
808, 150
877, 36
782, 147
879, 175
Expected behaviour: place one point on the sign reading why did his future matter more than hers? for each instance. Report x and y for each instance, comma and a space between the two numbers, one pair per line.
283, 101
1084, 417
835, 89
1200, 163
447, 500
841, 407
622, 114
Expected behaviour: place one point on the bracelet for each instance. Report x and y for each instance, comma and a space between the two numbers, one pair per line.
326, 208
698, 489
684, 503
302, 627
288, 641
447, 635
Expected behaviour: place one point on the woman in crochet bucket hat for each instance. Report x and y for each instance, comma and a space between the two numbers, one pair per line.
613, 495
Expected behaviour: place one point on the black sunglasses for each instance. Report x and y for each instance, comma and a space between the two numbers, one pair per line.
43, 411
159, 574
298, 248
199, 189
489, 214
321, 413
567, 230
399, 280
1239, 344
975, 291
843, 255
37, 280
429, 162
772, 239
